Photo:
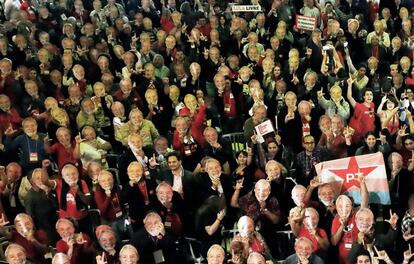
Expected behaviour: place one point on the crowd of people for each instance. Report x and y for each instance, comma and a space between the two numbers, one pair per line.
128, 130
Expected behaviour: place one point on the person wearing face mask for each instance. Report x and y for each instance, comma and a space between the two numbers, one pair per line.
306, 225
65, 149
170, 206
333, 136
72, 194
158, 111
108, 200
92, 148
30, 144
107, 250
16, 254
128, 96
8, 84
276, 175
344, 231
135, 152
370, 240
251, 239
9, 116
139, 193
137, 125
264, 209
325, 206
399, 182
304, 253
33, 241
77, 246
86, 115
40, 204
155, 244
336, 105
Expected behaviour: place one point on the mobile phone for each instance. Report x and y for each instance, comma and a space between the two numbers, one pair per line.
325, 48
346, 44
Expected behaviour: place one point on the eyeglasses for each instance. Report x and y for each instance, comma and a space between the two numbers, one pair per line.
309, 142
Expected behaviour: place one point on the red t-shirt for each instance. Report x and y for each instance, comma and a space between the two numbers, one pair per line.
348, 237
31, 252
71, 210
362, 120
63, 155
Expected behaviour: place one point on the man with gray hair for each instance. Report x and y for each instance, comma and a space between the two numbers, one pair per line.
303, 253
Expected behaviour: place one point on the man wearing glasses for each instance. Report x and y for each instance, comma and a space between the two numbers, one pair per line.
307, 159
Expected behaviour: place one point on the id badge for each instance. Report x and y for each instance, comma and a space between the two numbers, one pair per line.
348, 245
168, 224
227, 108
158, 256
33, 157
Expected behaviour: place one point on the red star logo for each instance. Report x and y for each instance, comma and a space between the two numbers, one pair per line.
353, 168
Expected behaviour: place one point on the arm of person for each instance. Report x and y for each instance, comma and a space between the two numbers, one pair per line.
235, 198
323, 241
351, 99
336, 237
364, 191
211, 229
274, 217
103, 144
387, 119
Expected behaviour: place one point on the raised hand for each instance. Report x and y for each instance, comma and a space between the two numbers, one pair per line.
100, 259
382, 254
407, 236
153, 161
320, 93
221, 214
239, 184
3, 220
408, 254
402, 131
393, 219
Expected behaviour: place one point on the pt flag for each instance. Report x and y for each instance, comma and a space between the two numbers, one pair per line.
342, 173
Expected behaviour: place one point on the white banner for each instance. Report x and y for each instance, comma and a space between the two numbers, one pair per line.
305, 22
246, 8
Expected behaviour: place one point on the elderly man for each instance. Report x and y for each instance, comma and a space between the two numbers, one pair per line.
77, 246
11, 181
139, 193
107, 246
214, 182
218, 148
170, 206
259, 115
251, 239
154, 243
73, 196
263, 209
303, 253
30, 144
34, 242
134, 153
16, 254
